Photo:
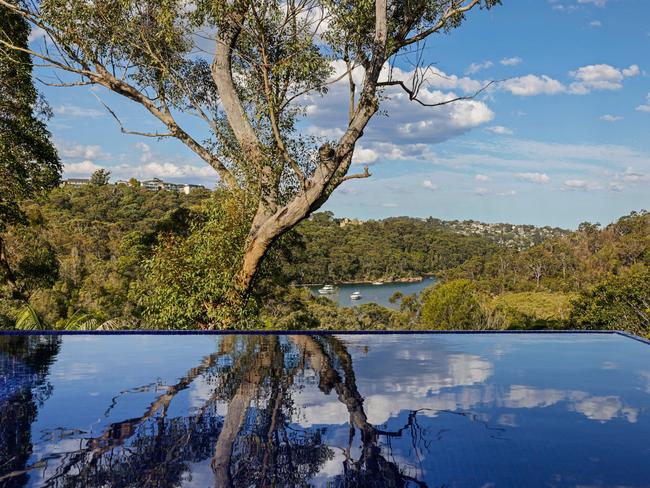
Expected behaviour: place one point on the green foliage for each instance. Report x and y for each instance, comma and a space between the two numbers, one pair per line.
335, 250
620, 302
189, 280
28, 160
572, 263
100, 177
452, 305
85, 246
531, 310
26, 318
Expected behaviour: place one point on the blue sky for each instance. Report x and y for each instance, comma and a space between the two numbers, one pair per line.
564, 139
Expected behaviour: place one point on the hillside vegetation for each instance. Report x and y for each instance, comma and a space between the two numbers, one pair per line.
116, 256
595, 278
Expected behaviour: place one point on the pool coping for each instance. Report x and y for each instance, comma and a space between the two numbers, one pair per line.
314, 332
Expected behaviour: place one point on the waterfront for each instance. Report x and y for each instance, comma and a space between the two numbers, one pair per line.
370, 293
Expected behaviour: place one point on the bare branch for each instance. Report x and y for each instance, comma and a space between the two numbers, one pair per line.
413, 93
365, 174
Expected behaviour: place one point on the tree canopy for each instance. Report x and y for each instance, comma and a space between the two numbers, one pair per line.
28, 160
245, 68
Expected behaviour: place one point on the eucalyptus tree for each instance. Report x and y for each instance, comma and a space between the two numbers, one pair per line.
244, 68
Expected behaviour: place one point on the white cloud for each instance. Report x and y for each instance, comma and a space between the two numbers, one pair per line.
166, 169
610, 118
480, 177
514, 61
75, 111
81, 151
597, 3
633, 176
530, 85
595, 23
499, 129
562, 7
633, 70
481, 191
600, 77
585, 185
364, 156
389, 205
645, 107
407, 121
539, 178
586, 79
84, 168
401, 152
476, 67
428, 184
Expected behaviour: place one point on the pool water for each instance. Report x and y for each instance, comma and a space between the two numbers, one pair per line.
436, 410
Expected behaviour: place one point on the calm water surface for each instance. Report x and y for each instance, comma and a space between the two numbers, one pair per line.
470, 410
374, 293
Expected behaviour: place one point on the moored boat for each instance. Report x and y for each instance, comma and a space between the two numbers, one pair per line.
327, 290
356, 295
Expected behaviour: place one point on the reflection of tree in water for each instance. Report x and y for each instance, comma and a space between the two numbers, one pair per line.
255, 443
24, 363
373, 467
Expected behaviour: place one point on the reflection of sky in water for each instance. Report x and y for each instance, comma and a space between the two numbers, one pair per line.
472, 410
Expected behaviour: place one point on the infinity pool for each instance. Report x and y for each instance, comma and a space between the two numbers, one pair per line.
436, 410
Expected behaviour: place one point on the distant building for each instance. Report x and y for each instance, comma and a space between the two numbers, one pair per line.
157, 184
187, 188
75, 182
121, 182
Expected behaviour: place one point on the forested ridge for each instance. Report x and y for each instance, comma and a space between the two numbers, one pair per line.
595, 278
87, 248
130, 257
339, 250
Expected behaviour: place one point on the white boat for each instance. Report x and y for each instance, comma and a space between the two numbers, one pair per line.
377, 282
356, 295
327, 290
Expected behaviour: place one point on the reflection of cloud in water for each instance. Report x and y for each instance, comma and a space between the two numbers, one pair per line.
76, 371
380, 408
593, 407
426, 374
604, 408
520, 396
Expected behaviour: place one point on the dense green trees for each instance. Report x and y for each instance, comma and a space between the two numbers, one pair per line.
83, 249
126, 255
336, 250
100, 177
621, 302
28, 160
592, 278
573, 263
452, 305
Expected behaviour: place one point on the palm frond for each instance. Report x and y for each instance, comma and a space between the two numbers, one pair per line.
27, 319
